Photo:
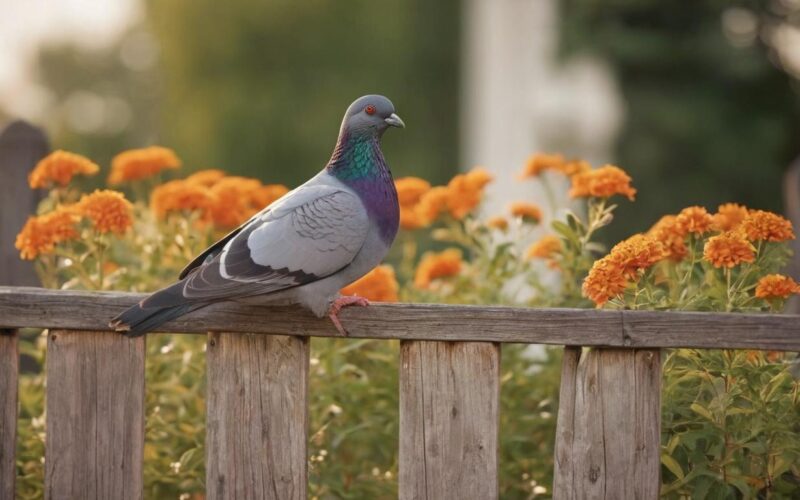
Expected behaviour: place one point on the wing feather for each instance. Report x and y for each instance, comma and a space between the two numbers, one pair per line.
309, 234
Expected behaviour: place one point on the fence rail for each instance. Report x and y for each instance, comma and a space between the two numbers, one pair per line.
81, 310
608, 429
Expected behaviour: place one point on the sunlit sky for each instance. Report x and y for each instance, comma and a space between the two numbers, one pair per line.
25, 24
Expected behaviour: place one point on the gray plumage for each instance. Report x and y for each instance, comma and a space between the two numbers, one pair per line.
306, 246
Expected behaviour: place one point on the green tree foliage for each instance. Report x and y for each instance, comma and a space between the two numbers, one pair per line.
707, 121
259, 88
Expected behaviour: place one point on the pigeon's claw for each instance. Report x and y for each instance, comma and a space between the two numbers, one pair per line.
339, 304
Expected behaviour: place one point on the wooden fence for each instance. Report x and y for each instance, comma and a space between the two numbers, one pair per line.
608, 431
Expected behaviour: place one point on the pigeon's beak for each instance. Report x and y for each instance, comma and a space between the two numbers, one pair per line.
395, 121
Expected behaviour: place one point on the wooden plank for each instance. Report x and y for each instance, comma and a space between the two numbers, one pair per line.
21, 147
257, 417
449, 398
95, 416
92, 310
78, 310
614, 412
565, 423
9, 374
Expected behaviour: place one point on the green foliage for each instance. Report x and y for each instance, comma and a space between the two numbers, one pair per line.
730, 425
707, 121
259, 88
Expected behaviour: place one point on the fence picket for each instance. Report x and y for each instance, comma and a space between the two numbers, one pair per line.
95, 416
257, 417
608, 435
449, 398
9, 373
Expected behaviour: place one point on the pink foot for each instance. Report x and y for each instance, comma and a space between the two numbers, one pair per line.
339, 304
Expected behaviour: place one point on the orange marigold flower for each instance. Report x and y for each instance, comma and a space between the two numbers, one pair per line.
728, 249
179, 196
574, 167
545, 248
604, 281
58, 168
465, 191
41, 234
672, 237
411, 218
410, 190
498, 222
379, 285
527, 211
137, 164
610, 275
539, 162
432, 204
637, 253
603, 182
437, 265
268, 194
108, 210
694, 220
729, 216
234, 200
207, 177
768, 226
773, 286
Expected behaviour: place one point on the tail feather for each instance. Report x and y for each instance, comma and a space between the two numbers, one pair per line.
136, 320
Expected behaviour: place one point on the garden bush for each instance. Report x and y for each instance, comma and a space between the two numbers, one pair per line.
730, 418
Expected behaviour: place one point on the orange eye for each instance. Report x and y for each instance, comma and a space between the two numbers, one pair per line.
370, 109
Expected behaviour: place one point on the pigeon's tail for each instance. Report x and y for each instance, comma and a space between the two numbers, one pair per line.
154, 311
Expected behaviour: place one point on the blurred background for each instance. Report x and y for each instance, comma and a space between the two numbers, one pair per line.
699, 102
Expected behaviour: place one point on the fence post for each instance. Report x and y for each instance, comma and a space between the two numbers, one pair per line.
9, 373
608, 436
21, 147
257, 420
95, 416
449, 399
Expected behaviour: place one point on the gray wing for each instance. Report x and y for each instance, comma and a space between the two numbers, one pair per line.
307, 235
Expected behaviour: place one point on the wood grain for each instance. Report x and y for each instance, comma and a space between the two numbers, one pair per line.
565, 423
37, 307
95, 416
257, 417
449, 397
9, 373
608, 444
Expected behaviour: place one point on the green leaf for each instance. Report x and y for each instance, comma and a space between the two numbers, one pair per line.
702, 411
673, 465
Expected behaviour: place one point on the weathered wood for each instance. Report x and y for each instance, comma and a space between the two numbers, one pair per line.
9, 373
37, 307
257, 417
449, 398
608, 432
565, 424
21, 147
95, 416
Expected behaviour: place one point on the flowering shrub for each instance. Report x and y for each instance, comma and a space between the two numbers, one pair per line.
730, 417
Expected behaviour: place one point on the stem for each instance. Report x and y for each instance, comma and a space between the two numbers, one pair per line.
548, 192
728, 305
100, 261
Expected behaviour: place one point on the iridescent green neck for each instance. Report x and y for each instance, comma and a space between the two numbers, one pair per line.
356, 157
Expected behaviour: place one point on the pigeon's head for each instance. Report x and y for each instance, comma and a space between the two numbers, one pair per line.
370, 114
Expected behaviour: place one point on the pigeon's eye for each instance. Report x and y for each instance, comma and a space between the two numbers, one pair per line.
370, 109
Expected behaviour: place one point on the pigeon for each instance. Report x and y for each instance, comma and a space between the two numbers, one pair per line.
306, 246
